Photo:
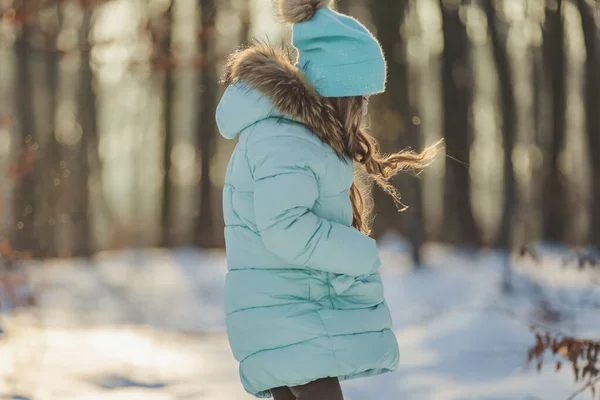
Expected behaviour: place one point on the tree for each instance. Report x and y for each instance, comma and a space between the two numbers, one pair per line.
592, 107
459, 222
89, 140
206, 121
554, 190
24, 238
343, 6
388, 16
74, 199
165, 51
49, 149
509, 126
246, 21
531, 220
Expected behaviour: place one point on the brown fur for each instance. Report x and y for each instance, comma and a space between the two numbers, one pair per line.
273, 74
295, 11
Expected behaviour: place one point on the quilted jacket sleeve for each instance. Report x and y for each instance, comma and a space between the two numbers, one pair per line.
286, 172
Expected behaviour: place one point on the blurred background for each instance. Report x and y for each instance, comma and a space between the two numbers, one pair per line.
108, 137
112, 168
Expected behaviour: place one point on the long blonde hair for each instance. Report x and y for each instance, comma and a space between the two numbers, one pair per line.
363, 149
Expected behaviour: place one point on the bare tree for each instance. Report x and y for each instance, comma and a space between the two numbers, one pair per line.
246, 21
509, 126
388, 16
206, 122
592, 106
343, 6
530, 220
87, 117
24, 238
554, 191
459, 222
165, 51
49, 149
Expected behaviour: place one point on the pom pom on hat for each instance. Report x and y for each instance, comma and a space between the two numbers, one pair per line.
296, 11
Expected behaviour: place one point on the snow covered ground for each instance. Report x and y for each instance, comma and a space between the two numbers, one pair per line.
149, 325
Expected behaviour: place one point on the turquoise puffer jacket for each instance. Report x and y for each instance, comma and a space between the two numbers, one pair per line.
303, 297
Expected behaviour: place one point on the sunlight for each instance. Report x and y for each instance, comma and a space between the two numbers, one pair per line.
477, 26
68, 130
430, 20
186, 167
117, 19
514, 10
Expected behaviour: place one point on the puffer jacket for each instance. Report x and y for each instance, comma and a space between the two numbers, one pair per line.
303, 296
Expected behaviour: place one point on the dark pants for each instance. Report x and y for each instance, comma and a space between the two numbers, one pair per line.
322, 389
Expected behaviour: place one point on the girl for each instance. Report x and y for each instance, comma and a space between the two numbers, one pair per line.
303, 297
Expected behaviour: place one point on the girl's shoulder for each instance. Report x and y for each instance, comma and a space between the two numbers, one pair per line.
281, 131
290, 144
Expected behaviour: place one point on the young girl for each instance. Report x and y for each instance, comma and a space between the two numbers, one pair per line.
303, 297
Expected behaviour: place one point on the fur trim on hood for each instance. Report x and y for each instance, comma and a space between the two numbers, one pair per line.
273, 74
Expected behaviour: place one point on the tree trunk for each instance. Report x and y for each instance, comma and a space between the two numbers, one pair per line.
168, 121
388, 17
459, 222
509, 126
246, 21
206, 121
343, 7
24, 238
592, 107
50, 156
554, 190
81, 240
386, 213
531, 216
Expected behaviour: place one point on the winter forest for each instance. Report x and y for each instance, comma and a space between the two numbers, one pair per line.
111, 227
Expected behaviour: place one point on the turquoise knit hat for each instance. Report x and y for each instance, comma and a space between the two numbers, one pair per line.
338, 55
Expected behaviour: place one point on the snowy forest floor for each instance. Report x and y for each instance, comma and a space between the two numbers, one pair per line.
149, 325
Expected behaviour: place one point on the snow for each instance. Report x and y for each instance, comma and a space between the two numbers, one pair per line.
177, 291
149, 325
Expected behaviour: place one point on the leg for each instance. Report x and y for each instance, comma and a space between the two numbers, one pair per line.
282, 393
322, 389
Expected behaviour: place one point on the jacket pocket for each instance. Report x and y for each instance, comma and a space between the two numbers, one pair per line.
358, 292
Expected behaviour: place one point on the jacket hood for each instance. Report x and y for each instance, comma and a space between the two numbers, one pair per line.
263, 82
240, 107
